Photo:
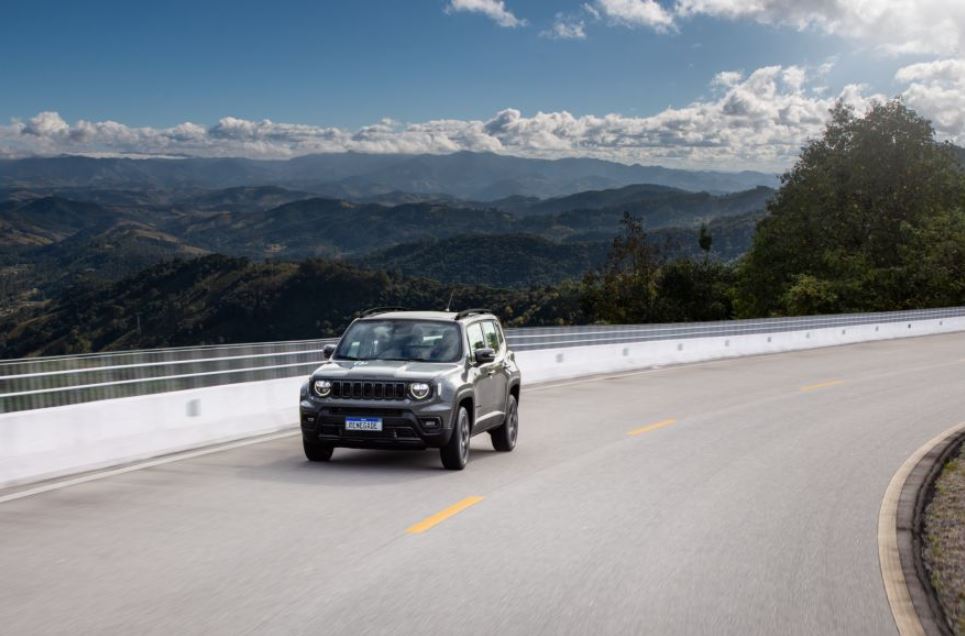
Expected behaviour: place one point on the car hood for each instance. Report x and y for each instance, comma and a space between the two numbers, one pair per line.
382, 370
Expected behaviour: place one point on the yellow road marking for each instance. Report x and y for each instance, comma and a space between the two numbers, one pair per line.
821, 385
652, 427
442, 515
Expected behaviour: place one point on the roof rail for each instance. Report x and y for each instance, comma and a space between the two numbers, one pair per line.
380, 310
465, 313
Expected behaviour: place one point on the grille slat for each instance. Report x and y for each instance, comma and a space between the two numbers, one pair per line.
368, 390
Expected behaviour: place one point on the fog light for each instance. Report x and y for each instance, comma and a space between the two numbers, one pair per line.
431, 423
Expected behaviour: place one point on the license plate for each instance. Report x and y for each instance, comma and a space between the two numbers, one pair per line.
363, 423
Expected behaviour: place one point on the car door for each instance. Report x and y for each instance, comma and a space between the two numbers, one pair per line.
497, 378
480, 374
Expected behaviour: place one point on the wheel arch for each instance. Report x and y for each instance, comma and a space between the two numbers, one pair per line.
467, 399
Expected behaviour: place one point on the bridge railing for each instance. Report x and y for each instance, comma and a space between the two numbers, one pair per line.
33, 383
560, 337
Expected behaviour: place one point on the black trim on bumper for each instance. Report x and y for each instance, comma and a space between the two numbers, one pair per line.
401, 428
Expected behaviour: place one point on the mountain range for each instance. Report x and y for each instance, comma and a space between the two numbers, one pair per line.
51, 243
463, 175
71, 226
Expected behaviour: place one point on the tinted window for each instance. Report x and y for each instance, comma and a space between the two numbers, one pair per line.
476, 339
492, 338
413, 340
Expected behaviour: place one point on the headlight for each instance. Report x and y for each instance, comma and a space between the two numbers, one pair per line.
323, 388
419, 390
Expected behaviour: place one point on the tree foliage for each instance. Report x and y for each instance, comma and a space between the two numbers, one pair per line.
868, 219
638, 284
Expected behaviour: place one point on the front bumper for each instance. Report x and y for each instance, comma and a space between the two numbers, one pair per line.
404, 425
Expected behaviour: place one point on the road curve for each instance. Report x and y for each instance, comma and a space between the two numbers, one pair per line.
729, 497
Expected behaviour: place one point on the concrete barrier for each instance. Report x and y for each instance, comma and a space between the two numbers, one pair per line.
571, 362
51, 442
45, 443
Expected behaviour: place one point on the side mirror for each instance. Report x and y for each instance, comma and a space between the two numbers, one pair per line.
328, 350
484, 356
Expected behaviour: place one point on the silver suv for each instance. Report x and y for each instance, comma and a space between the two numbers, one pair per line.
413, 380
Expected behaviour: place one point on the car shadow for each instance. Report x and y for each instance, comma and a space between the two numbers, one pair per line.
361, 468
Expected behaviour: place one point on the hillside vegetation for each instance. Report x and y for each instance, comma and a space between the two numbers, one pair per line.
217, 299
48, 241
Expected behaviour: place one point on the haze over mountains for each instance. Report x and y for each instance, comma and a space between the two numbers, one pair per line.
463, 175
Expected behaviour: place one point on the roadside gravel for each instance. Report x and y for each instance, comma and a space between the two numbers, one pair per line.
944, 541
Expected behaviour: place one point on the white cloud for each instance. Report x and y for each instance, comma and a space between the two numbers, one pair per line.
727, 79
44, 124
494, 9
937, 90
755, 120
565, 28
893, 26
634, 13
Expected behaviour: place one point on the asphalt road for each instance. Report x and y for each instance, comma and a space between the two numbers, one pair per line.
745, 502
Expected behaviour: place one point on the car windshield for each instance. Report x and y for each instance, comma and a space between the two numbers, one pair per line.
409, 340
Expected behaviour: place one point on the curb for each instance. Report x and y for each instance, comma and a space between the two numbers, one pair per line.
914, 605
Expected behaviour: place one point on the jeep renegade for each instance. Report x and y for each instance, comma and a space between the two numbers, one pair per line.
413, 380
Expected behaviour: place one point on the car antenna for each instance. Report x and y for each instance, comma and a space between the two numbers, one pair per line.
449, 304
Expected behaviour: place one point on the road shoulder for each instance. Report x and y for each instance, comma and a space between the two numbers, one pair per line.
913, 603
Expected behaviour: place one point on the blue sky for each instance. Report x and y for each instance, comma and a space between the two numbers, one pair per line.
346, 65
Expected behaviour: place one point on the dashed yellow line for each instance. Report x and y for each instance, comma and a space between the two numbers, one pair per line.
807, 388
442, 515
652, 427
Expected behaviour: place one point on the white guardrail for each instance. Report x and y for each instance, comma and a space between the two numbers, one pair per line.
67, 414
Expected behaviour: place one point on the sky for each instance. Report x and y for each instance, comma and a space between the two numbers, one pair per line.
725, 84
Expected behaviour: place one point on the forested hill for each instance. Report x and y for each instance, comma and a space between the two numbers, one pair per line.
244, 221
220, 299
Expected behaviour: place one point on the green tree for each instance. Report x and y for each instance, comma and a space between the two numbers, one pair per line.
695, 290
854, 222
935, 257
705, 239
626, 290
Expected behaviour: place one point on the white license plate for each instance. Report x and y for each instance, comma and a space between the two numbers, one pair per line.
363, 423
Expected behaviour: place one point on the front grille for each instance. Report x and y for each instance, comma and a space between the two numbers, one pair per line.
368, 390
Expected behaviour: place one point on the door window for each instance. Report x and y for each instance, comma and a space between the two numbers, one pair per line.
476, 338
500, 334
492, 338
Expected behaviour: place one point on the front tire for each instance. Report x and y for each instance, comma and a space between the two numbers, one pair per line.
455, 454
316, 452
504, 437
